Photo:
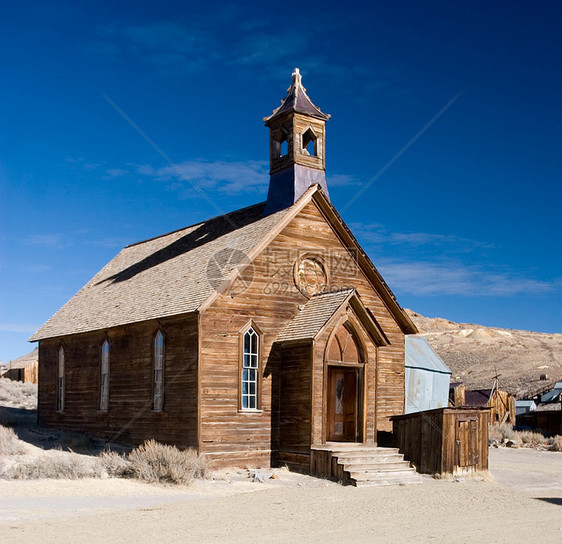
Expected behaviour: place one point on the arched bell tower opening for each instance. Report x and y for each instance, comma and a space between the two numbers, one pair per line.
344, 364
297, 145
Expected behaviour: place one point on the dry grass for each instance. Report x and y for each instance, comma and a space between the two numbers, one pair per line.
151, 462
18, 394
155, 462
555, 443
57, 465
116, 465
10, 444
501, 431
529, 437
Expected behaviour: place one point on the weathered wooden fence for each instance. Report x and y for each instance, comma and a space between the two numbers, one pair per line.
445, 440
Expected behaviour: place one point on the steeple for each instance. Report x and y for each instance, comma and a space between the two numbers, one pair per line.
297, 144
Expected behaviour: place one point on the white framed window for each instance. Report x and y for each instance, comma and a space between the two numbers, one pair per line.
60, 381
104, 385
250, 364
158, 392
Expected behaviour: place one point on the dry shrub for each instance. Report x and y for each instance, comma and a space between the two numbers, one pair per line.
116, 465
555, 443
18, 393
529, 437
56, 465
10, 444
499, 431
155, 462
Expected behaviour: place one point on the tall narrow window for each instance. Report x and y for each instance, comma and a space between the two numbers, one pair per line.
158, 402
250, 370
104, 389
60, 381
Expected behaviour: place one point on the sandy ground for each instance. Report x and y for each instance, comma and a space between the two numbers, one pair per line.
520, 501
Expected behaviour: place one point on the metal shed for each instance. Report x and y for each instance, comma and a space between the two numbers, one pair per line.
427, 377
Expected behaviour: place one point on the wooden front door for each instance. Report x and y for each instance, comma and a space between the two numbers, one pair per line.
342, 404
466, 442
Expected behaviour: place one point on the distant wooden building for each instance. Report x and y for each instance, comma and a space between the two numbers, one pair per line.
256, 337
502, 403
547, 418
23, 369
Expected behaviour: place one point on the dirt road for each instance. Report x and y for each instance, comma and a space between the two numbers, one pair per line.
521, 501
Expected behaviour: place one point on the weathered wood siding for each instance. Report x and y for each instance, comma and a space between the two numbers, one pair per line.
295, 408
503, 407
445, 440
27, 374
130, 418
270, 299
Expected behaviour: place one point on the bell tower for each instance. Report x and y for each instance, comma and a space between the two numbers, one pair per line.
297, 145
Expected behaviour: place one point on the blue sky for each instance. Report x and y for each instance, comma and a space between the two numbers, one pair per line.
464, 224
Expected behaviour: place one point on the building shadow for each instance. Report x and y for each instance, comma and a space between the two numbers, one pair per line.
551, 500
24, 423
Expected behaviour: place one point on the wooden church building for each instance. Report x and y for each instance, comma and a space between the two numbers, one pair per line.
256, 337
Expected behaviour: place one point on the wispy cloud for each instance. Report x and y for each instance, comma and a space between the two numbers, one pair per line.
234, 37
53, 241
19, 327
117, 172
341, 180
428, 278
37, 268
168, 46
231, 177
375, 233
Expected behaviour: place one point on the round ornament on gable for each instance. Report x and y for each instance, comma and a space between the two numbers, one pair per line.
311, 275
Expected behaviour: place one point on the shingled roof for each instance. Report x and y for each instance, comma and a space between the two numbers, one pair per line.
297, 100
163, 276
320, 310
176, 273
314, 315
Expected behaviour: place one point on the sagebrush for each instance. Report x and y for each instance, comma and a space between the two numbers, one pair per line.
18, 393
499, 431
502, 431
555, 443
529, 437
155, 462
10, 444
115, 464
57, 465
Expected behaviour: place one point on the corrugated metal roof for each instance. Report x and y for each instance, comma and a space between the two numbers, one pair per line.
420, 355
526, 403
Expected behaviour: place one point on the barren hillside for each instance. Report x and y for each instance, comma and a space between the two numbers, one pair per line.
475, 353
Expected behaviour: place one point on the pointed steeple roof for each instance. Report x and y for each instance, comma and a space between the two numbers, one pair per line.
297, 101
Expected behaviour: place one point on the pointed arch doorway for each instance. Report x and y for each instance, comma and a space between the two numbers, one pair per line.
344, 364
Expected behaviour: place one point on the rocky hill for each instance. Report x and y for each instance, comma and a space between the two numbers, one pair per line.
476, 353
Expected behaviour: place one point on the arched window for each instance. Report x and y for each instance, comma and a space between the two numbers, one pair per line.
60, 381
104, 386
158, 388
343, 348
250, 364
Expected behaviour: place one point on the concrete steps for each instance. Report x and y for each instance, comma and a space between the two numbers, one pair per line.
367, 465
